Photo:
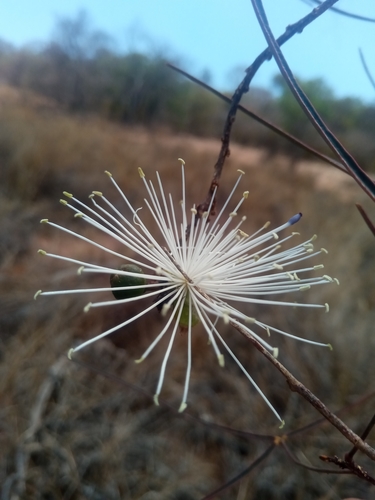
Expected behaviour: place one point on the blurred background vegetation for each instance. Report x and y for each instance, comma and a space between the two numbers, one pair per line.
70, 110
83, 71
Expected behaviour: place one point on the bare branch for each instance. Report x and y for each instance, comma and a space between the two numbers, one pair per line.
366, 218
23, 450
297, 386
359, 175
365, 67
354, 468
359, 401
294, 459
242, 474
261, 120
349, 456
347, 14
243, 88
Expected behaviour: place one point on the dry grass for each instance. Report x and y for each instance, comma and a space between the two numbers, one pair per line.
78, 434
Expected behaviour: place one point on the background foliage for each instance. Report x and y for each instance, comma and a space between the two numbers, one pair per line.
82, 70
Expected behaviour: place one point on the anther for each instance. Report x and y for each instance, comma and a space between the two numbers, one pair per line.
304, 287
68, 195
221, 360
324, 250
240, 171
319, 266
87, 307
70, 353
327, 307
275, 352
165, 309
97, 193
183, 406
139, 360
308, 245
36, 295
250, 320
278, 266
266, 224
295, 218
80, 270
193, 210
42, 252
276, 237
108, 173
336, 281
245, 195
141, 173
156, 399
232, 214
78, 215
63, 202
44, 221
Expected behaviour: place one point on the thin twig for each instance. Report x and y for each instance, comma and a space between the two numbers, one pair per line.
365, 67
297, 386
366, 218
275, 440
349, 456
188, 416
347, 14
23, 449
294, 459
320, 421
259, 119
242, 474
243, 88
359, 175
354, 468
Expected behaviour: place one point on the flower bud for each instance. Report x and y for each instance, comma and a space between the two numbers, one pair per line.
120, 280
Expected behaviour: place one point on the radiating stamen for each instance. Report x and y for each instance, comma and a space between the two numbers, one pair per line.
197, 268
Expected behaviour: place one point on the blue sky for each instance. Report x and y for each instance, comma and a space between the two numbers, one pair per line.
220, 36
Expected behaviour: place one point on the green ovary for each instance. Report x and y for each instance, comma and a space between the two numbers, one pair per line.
184, 319
118, 280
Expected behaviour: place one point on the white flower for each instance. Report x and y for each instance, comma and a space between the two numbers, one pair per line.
200, 271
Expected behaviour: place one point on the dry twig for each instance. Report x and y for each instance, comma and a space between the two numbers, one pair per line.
27, 441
